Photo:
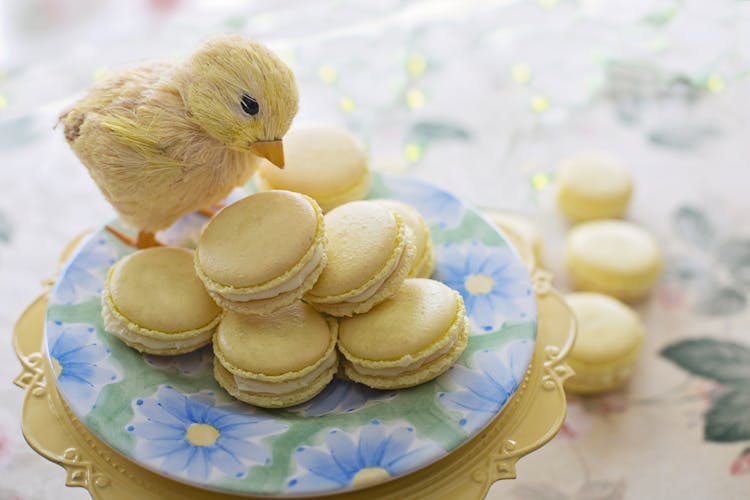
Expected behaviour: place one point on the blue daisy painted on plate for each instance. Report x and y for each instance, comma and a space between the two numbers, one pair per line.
484, 390
194, 438
374, 454
494, 284
438, 208
84, 276
76, 354
196, 362
340, 396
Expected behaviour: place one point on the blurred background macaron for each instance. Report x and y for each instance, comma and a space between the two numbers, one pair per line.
325, 162
609, 341
277, 360
523, 234
263, 252
593, 187
370, 252
424, 263
153, 301
409, 339
613, 257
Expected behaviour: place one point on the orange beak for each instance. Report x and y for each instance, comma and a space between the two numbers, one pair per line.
272, 151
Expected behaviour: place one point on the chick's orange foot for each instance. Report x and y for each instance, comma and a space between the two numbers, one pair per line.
212, 210
145, 239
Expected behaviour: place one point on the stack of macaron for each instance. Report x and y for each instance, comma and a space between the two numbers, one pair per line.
263, 252
282, 289
603, 253
608, 260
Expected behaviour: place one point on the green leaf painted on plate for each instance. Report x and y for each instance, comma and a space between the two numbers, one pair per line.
728, 420
474, 228
735, 254
378, 188
692, 225
722, 301
720, 360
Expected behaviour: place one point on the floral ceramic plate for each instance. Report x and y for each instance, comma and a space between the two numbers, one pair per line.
168, 415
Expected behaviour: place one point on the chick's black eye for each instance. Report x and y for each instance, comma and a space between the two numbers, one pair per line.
249, 105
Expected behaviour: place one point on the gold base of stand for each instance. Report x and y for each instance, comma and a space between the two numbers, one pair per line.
532, 417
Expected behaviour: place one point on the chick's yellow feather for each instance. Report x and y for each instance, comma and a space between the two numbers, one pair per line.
161, 140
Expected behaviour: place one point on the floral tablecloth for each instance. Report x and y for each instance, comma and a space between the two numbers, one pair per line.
483, 98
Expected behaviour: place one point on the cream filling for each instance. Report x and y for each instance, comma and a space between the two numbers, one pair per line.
196, 341
117, 325
395, 371
291, 284
378, 284
250, 385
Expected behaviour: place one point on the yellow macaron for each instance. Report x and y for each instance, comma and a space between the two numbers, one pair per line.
424, 263
613, 257
325, 162
370, 251
523, 234
592, 187
409, 339
609, 340
153, 302
277, 360
263, 252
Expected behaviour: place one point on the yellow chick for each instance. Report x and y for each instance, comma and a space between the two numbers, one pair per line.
162, 140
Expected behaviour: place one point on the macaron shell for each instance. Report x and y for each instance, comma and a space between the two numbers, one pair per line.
389, 287
593, 188
325, 162
425, 267
270, 346
135, 337
607, 328
596, 381
264, 400
425, 373
258, 239
152, 341
157, 289
362, 238
613, 257
422, 266
280, 301
609, 341
329, 202
414, 318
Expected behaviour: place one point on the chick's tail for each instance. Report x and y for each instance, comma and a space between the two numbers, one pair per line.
71, 121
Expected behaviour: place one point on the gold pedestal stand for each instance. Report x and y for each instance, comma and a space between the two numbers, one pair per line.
530, 419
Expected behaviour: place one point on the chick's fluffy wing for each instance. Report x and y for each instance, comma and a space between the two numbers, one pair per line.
119, 114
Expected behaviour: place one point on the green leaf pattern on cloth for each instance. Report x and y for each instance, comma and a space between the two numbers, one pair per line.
717, 274
728, 363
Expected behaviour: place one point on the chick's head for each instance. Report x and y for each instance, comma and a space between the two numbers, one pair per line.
239, 92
